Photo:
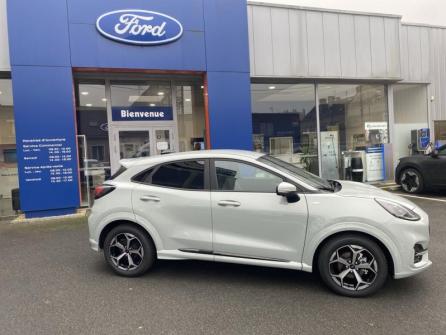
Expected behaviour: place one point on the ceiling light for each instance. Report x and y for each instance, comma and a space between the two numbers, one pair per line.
104, 99
89, 105
84, 93
161, 93
187, 100
271, 87
152, 105
1, 92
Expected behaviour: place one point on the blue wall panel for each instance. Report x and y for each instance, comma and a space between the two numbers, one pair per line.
90, 49
43, 108
230, 110
188, 12
38, 32
227, 47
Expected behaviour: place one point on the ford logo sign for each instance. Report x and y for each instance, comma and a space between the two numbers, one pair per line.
140, 27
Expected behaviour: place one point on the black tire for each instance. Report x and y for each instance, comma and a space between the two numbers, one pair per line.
139, 240
350, 286
411, 181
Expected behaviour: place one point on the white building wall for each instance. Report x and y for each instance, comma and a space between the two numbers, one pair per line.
4, 45
294, 42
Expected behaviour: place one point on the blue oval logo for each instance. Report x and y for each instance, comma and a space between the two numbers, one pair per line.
140, 27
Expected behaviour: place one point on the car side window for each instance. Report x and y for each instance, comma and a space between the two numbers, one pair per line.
241, 177
183, 175
143, 177
442, 152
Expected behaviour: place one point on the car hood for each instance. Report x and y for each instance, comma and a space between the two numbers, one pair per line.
360, 190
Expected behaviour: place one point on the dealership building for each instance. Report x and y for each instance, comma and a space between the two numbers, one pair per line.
86, 83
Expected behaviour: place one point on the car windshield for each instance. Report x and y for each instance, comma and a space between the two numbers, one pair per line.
299, 173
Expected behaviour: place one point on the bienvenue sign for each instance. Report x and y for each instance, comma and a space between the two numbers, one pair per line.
142, 113
140, 27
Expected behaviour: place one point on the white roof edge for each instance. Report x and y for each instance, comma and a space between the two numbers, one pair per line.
425, 25
319, 9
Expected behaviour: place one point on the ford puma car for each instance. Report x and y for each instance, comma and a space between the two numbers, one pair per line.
250, 208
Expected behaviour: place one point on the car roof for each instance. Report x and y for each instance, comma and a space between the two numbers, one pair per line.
152, 160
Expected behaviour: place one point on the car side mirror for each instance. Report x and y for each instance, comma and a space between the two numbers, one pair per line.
288, 191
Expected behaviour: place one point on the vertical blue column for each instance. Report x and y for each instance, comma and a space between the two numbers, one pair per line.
227, 58
43, 107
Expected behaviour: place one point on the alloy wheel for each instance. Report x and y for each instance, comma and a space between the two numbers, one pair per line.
410, 181
353, 267
126, 251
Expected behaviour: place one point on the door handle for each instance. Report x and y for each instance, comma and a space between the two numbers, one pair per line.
226, 203
150, 198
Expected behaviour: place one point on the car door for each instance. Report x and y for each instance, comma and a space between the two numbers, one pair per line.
174, 198
249, 219
440, 167
435, 168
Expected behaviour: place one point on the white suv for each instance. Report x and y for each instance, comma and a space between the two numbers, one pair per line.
250, 208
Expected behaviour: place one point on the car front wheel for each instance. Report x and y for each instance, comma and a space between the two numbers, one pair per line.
411, 181
129, 251
353, 265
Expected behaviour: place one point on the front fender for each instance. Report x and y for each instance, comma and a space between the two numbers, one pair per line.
315, 241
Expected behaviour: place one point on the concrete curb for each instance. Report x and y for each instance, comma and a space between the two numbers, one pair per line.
80, 214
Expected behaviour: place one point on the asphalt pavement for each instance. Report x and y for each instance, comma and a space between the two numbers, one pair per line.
52, 283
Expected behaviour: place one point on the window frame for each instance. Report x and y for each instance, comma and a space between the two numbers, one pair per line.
214, 182
156, 167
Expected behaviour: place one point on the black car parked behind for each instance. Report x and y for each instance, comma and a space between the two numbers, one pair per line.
421, 172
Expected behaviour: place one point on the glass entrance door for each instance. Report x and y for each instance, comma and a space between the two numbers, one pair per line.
132, 142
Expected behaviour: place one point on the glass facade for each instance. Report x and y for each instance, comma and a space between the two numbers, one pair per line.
410, 109
353, 127
190, 116
104, 140
8, 157
92, 127
284, 123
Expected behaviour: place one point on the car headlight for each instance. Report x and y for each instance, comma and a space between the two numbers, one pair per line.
398, 210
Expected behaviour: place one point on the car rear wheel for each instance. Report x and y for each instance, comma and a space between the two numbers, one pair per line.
129, 251
353, 265
411, 181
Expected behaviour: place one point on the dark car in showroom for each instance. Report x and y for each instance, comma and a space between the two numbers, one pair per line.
422, 172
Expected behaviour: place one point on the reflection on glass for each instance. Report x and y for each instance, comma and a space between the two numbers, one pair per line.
8, 157
92, 127
190, 116
284, 123
140, 93
134, 144
162, 143
354, 127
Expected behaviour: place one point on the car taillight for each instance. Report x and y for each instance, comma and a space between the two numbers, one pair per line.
101, 190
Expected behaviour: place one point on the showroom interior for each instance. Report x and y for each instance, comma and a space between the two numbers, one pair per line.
341, 94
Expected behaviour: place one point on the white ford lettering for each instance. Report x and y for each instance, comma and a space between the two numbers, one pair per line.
130, 23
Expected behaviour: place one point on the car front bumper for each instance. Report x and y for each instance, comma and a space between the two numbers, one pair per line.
408, 235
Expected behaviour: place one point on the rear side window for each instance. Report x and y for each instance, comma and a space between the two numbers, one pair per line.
143, 177
183, 175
